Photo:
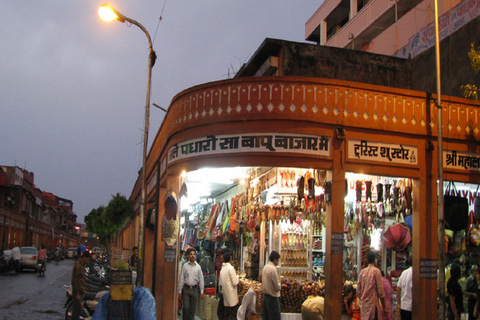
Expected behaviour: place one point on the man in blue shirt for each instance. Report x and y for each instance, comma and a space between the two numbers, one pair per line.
191, 285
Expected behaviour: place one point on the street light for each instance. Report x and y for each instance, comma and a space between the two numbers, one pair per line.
108, 13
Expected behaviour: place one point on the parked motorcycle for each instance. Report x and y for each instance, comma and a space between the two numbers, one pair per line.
50, 255
41, 267
89, 303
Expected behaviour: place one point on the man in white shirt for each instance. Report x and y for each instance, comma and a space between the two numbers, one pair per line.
271, 288
191, 284
229, 282
404, 290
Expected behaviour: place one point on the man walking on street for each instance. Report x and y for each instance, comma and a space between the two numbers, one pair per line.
271, 288
191, 284
370, 289
79, 284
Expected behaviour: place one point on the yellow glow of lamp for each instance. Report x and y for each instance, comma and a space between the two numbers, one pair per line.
108, 13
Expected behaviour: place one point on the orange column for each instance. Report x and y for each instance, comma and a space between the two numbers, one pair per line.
424, 239
334, 226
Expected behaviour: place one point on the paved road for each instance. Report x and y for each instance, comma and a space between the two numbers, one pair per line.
29, 296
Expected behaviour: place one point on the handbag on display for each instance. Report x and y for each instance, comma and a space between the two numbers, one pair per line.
474, 234
456, 209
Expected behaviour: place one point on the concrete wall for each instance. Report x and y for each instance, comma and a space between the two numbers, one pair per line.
455, 64
419, 73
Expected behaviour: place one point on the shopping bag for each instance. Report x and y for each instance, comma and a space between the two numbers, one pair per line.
455, 209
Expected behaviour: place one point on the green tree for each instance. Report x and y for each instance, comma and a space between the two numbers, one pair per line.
471, 90
106, 221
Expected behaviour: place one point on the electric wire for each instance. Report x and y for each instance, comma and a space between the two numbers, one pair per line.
159, 20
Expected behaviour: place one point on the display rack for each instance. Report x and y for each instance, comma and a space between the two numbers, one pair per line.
294, 243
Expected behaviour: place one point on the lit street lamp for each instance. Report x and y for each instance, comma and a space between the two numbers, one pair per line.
108, 13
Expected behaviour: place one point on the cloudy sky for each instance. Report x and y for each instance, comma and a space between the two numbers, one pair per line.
72, 87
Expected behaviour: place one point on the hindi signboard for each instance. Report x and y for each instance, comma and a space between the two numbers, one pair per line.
461, 160
382, 152
249, 143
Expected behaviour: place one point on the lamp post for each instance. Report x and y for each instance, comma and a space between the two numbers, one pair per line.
440, 200
108, 13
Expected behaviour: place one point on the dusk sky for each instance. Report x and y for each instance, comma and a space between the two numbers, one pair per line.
73, 87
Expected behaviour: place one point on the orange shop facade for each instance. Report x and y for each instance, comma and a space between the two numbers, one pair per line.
349, 131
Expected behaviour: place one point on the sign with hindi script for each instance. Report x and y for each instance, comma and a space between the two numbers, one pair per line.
249, 143
383, 152
461, 160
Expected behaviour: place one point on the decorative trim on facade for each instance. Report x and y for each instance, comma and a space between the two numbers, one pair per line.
323, 101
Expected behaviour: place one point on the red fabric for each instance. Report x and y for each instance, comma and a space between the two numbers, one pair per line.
42, 254
397, 237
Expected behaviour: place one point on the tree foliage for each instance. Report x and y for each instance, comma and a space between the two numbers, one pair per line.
106, 221
471, 90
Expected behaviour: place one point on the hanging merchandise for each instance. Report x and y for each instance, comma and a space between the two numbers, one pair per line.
217, 230
311, 188
368, 190
409, 222
233, 219
328, 191
226, 218
408, 197
211, 221
301, 188
456, 209
474, 234
201, 233
388, 200
358, 189
379, 192
397, 237
476, 208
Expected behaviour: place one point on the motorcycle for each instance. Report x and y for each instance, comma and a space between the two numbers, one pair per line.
89, 303
41, 267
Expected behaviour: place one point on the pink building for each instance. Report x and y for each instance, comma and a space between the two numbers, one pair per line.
403, 28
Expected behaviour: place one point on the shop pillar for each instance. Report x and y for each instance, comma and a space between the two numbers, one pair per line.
425, 244
334, 226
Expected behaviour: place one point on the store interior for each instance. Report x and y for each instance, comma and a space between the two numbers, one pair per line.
222, 207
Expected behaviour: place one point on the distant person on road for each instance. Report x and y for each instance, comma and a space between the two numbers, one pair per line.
42, 256
79, 284
57, 255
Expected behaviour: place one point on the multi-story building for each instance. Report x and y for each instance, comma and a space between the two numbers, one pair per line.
397, 27
404, 29
30, 216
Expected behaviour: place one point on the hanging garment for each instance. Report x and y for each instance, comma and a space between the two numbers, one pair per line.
301, 188
358, 189
368, 190
379, 192
311, 188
